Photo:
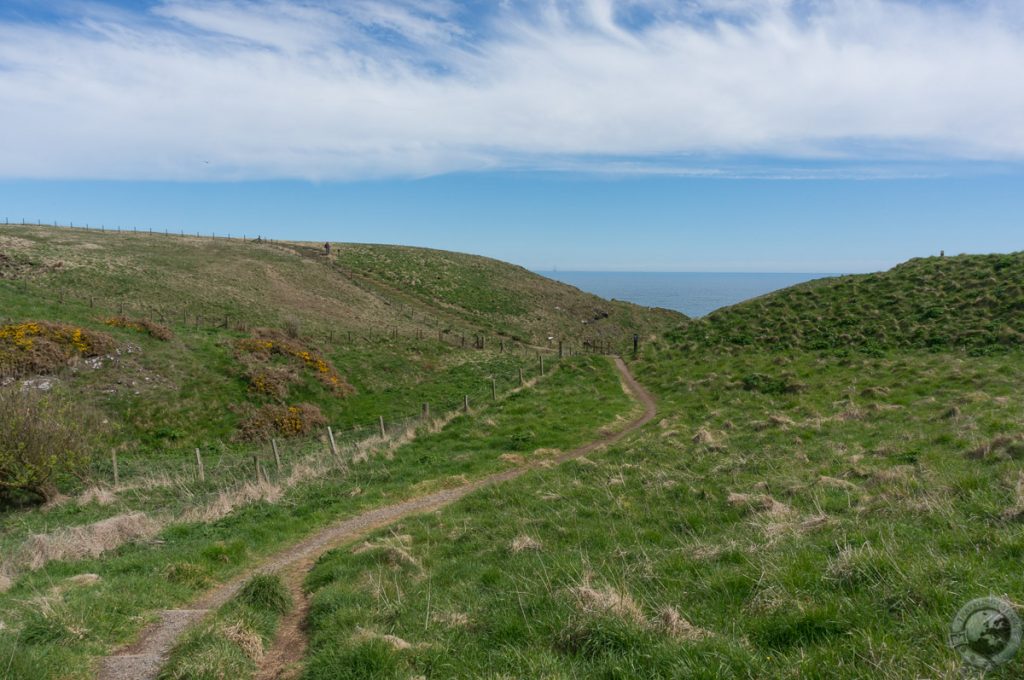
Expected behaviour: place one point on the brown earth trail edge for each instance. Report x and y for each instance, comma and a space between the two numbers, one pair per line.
142, 659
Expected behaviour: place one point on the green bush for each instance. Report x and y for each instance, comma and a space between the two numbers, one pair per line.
44, 438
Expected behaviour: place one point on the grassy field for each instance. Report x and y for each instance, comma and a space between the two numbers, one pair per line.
53, 623
795, 513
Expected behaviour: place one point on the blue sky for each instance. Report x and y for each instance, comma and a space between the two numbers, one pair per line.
672, 135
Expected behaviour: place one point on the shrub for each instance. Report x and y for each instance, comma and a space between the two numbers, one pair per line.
43, 438
151, 328
273, 419
267, 343
39, 347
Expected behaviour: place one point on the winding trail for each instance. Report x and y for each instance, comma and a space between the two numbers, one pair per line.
142, 659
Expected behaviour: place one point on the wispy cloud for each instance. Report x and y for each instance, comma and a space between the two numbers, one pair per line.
369, 88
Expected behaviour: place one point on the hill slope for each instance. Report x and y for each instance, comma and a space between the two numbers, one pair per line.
968, 301
359, 287
245, 330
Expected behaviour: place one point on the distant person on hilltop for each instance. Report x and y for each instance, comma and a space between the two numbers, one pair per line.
327, 249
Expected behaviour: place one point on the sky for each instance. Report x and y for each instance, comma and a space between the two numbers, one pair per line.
661, 135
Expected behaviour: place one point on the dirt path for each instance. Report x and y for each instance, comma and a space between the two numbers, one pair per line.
142, 659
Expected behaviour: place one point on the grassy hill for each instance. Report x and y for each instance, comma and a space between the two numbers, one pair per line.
836, 471
969, 301
204, 342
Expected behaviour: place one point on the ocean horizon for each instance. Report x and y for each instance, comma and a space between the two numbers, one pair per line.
692, 293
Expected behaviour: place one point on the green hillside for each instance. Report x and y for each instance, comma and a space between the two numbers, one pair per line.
969, 301
198, 342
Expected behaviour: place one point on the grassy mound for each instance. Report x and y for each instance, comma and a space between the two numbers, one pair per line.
970, 301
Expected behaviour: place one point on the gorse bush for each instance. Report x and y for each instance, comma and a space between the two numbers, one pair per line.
40, 347
280, 420
44, 437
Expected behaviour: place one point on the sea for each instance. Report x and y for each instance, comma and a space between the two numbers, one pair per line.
692, 293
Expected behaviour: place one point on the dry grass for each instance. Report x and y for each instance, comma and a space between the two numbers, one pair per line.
836, 483
393, 549
96, 494
246, 639
672, 623
1004, 445
84, 579
227, 501
1016, 511
396, 643
758, 503
90, 540
703, 436
522, 543
591, 600
451, 619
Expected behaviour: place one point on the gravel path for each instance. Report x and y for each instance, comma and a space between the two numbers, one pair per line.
142, 659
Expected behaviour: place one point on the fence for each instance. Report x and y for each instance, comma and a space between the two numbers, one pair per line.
204, 472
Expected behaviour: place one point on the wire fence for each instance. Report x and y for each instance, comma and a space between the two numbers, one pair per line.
207, 472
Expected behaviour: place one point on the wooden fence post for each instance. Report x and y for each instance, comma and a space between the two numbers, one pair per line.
383, 432
113, 459
277, 455
521, 382
199, 467
465, 403
426, 410
330, 439
542, 364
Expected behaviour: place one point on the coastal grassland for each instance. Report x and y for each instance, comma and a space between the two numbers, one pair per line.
53, 623
792, 515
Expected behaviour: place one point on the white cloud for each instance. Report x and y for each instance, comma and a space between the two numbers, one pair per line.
370, 88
